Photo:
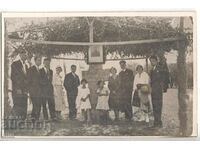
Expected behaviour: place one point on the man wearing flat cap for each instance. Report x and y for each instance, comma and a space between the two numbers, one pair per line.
19, 85
126, 86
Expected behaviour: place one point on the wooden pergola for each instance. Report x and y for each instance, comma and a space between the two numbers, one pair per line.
181, 61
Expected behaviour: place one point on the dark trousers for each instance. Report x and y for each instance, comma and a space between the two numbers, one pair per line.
72, 106
19, 109
36, 101
127, 107
128, 111
102, 116
157, 109
51, 105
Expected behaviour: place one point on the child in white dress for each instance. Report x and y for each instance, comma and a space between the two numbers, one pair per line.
84, 95
102, 102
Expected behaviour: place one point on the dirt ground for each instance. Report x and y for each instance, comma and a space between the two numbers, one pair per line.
67, 127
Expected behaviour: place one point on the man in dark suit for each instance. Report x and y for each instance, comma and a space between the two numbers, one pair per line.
19, 86
156, 76
71, 84
166, 76
126, 86
47, 89
35, 88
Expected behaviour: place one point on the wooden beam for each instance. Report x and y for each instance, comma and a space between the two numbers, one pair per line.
125, 59
79, 59
91, 35
97, 43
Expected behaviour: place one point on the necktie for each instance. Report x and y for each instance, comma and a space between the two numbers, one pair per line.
74, 75
48, 74
23, 67
37, 68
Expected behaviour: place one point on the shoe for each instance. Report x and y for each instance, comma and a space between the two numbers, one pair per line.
128, 119
33, 120
157, 126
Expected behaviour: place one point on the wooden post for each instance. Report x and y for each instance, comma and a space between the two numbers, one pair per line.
91, 32
182, 82
93, 74
92, 67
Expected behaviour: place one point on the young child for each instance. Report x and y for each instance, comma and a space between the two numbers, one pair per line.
102, 103
85, 105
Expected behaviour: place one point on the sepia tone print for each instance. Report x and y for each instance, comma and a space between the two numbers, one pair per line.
99, 75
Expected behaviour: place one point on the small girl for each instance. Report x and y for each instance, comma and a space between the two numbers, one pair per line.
102, 103
84, 95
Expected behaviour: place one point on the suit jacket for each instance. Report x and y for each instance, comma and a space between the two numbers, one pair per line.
71, 84
157, 78
19, 78
34, 80
166, 76
46, 83
126, 81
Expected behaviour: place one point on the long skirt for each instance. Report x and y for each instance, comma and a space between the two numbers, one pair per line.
144, 107
59, 98
114, 101
144, 101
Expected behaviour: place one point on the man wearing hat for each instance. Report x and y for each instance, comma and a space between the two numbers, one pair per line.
19, 85
126, 86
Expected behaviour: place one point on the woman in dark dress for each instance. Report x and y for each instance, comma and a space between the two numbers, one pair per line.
113, 85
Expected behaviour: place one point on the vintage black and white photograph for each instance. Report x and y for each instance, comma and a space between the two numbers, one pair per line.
96, 54
98, 75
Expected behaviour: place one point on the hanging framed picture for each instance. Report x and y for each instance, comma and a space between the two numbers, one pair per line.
96, 55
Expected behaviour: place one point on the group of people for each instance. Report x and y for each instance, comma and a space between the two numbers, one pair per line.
141, 91
123, 91
42, 87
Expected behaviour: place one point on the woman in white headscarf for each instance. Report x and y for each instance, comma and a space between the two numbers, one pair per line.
58, 92
141, 96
